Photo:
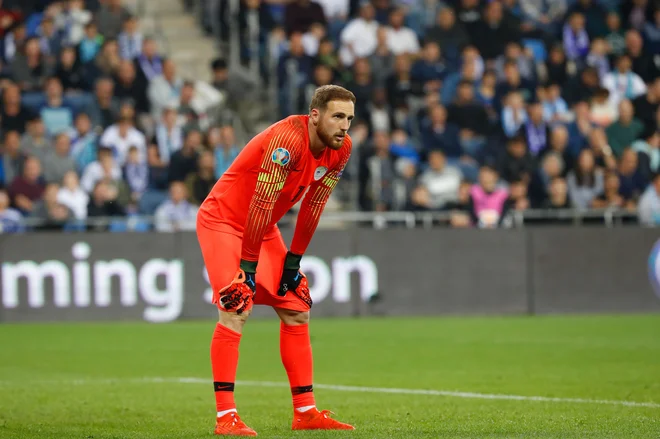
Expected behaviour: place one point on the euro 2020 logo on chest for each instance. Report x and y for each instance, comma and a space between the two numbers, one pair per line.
281, 156
654, 268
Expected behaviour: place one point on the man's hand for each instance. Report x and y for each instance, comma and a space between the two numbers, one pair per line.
294, 280
237, 297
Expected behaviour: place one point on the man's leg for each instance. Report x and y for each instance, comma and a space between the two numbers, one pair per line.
221, 252
296, 353
224, 358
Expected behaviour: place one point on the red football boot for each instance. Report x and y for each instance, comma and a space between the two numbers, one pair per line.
313, 419
231, 425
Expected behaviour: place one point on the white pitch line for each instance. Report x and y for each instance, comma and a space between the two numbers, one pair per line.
362, 389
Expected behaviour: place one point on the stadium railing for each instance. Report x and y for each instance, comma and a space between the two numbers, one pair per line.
353, 219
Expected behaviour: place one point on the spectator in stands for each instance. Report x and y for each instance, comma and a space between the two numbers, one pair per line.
128, 88
469, 15
623, 83
34, 142
294, 71
72, 196
555, 108
611, 198
625, 130
358, 39
104, 203
13, 114
59, 161
136, 175
222, 140
647, 105
377, 174
601, 150
493, 33
169, 134
184, 161
70, 72
72, 21
593, 14
439, 184
632, 182
10, 219
429, 70
164, 89
122, 135
558, 195
518, 195
556, 66
301, 14
177, 213
648, 209
514, 82
50, 39
12, 158
437, 133
648, 153
379, 115
83, 142
336, 14
643, 63
514, 114
149, 65
107, 60
382, 60
598, 57
200, 183
516, 163
543, 14
56, 114
524, 61
401, 39
50, 211
449, 35
105, 167
470, 117
585, 182
652, 33
535, 130
29, 68
460, 209
91, 43
615, 36
103, 108
552, 166
488, 203
27, 188
110, 18
14, 39
130, 39
399, 85
603, 111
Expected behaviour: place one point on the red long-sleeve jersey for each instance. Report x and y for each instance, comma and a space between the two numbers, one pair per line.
267, 178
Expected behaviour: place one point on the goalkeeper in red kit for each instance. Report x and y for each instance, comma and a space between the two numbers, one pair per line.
249, 263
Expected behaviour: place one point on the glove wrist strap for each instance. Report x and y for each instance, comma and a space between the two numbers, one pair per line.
292, 261
248, 266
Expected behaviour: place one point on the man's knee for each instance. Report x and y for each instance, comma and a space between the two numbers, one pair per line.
233, 321
291, 318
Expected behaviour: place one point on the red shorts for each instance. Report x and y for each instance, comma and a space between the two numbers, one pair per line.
222, 256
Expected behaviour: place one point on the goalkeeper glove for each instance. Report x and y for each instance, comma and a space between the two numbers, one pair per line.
294, 280
237, 297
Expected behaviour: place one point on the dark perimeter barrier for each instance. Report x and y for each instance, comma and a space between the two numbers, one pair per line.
161, 277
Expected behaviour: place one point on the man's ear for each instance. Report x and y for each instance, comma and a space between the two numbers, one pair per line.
315, 115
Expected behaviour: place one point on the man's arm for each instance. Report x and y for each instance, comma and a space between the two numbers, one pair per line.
282, 150
315, 201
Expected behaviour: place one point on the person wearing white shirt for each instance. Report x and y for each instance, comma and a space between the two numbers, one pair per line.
177, 213
335, 9
73, 196
169, 134
358, 39
623, 83
104, 167
400, 39
121, 136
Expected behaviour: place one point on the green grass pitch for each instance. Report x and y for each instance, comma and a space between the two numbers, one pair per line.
93, 381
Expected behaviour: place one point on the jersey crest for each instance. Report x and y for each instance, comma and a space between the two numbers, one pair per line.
320, 172
281, 156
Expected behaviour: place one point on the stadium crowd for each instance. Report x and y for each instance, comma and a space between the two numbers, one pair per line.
472, 107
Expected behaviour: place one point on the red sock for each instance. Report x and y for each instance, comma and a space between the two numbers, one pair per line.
296, 352
224, 360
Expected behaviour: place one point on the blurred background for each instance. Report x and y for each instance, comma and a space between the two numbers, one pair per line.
118, 116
